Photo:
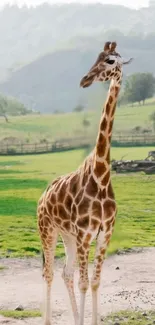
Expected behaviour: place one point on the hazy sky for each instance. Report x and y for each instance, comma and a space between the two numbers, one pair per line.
131, 3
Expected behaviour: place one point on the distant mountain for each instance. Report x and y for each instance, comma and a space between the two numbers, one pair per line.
46, 50
52, 82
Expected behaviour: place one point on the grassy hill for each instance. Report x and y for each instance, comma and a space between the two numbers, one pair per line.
36, 128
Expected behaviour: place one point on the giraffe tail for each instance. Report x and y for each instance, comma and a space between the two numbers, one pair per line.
43, 258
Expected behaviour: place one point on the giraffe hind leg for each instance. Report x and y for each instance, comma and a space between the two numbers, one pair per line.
68, 272
102, 244
48, 245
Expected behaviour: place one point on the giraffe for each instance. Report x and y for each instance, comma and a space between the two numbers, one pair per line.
81, 206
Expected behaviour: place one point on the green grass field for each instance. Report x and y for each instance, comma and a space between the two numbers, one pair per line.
36, 128
24, 178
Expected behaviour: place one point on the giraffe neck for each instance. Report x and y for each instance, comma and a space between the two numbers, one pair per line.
101, 163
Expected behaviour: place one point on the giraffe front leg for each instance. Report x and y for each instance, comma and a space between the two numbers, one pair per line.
101, 247
83, 254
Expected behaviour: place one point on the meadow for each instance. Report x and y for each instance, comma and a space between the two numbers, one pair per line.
24, 178
39, 128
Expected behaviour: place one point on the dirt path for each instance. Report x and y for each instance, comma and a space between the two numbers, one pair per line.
131, 286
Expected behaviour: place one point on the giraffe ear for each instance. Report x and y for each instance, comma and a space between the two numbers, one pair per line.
107, 46
113, 46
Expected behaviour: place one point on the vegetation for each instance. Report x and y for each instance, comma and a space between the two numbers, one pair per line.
23, 179
2, 267
121, 318
130, 318
139, 87
20, 314
11, 106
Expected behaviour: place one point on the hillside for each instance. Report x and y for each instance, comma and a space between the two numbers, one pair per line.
48, 54
52, 82
41, 128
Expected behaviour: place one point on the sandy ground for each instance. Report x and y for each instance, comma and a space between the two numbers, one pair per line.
130, 286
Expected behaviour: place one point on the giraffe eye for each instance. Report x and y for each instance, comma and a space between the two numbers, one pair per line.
110, 61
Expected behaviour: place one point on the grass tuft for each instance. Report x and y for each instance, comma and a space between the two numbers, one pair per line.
20, 314
130, 318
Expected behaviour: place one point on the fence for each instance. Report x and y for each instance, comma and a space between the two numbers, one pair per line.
133, 140
37, 148
75, 143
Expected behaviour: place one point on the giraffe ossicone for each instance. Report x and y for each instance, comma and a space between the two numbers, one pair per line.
81, 206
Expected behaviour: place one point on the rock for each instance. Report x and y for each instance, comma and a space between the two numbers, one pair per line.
144, 314
117, 324
19, 308
117, 268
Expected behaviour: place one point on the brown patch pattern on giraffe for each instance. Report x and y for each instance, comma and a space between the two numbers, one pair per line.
84, 206
110, 127
101, 145
62, 212
92, 187
99, 169
97, 209
113, 111
106, 178
110, 192
103, 124
68, 202
107, 158
62, 192
107, 108
94, 224
74, 184
110, 99
79, 196
109, 207
66, 225
83, 222
74, 213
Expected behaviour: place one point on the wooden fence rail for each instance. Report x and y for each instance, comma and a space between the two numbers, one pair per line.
36, 148
74, 143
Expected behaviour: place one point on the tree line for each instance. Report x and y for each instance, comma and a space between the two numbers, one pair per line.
12, 107
137, 88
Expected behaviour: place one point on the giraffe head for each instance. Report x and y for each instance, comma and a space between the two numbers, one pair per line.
107, 66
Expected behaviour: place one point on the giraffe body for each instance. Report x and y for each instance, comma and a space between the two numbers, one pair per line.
81, 205
75, 205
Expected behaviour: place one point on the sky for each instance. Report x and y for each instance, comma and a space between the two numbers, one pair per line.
129, 3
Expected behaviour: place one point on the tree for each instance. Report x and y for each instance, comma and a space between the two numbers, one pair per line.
11, 106
85, 123
79, 108
3, 108
139, 87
